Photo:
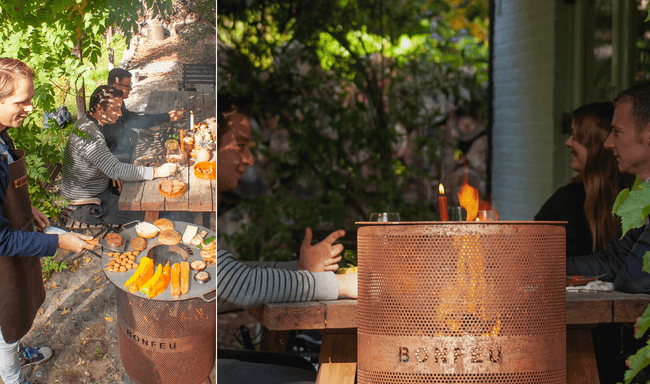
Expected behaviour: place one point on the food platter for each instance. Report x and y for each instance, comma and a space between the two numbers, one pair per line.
150, 160
574, 281
206, 170
178, 254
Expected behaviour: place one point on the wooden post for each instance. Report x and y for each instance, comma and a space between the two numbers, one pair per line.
81, 92
580, 357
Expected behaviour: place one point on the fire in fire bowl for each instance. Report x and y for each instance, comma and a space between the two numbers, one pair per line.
461, 302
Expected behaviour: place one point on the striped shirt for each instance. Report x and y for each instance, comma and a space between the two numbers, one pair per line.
88, 165
251, 284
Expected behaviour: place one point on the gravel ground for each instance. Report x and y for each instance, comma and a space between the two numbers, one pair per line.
78, 319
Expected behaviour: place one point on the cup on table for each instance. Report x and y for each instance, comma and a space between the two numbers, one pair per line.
457, 213
487, 215
384, 217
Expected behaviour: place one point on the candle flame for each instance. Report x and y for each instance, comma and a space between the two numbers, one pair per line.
441, 189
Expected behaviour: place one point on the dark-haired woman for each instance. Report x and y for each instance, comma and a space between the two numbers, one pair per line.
586, 201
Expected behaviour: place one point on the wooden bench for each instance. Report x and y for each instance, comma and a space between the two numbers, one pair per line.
194, 74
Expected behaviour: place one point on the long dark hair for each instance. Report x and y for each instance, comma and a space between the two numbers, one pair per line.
601, 177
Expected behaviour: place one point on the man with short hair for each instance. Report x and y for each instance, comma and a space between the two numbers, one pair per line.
250, 284
629, 140
21, 282
89, 166
118, 134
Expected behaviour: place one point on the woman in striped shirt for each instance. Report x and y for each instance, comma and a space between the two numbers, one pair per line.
89, 168
251, 284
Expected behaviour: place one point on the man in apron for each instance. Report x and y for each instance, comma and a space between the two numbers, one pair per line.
21, 288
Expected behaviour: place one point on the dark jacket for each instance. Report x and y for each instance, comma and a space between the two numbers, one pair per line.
566, 204
621, 262
127, 121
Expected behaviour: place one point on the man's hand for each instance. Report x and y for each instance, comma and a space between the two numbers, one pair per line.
348, 285
118, 184
164, 170
323, 256
75, 242
39, 217
176, 115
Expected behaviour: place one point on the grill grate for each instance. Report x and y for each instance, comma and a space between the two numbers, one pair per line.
463, 303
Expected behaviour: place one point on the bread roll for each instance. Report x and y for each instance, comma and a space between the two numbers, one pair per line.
169, 237
146, 230
166, 186
164, 224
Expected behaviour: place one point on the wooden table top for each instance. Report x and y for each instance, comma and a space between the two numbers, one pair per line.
582, 308
201, 194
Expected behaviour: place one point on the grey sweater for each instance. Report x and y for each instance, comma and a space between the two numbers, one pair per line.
251, 284
88, 165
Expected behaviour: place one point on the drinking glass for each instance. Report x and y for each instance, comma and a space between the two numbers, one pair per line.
384, 217
457, 213
487, 215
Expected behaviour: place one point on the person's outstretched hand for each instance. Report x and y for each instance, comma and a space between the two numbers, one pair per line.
75, 242
323, 256
164, 170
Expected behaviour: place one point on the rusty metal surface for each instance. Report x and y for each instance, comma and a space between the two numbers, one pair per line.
461, 302
166, 342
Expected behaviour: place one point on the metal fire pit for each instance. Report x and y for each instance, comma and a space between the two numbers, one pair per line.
471, 302
164, 339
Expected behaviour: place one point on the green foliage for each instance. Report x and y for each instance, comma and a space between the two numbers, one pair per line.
637, 362
206, 14
347, 83
48, 35
642, 324
351, 257
633, 207
271, 217
50, 266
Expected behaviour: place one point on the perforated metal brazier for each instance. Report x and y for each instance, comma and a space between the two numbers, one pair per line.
166, 340
468, 302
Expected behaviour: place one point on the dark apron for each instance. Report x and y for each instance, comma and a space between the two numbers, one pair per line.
21, 281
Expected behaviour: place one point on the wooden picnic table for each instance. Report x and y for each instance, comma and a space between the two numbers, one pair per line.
201, 194
337, 322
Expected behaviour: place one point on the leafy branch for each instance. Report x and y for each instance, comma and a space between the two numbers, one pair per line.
633, 206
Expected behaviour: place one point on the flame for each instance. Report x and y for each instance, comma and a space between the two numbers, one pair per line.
468, 199
470, 296
441, 189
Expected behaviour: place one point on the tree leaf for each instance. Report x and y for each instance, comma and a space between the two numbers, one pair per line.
642, 324
620, 198
637, 362
633, 209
